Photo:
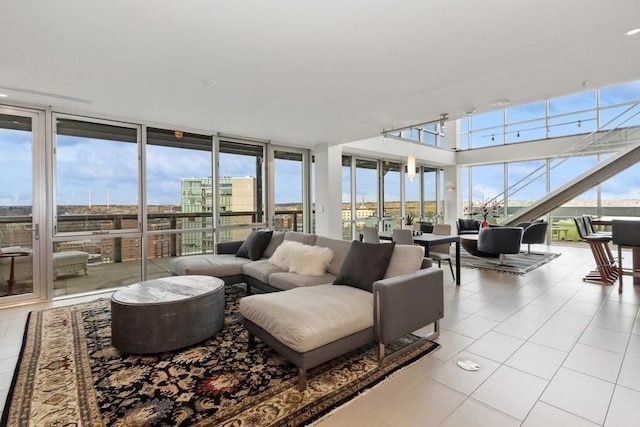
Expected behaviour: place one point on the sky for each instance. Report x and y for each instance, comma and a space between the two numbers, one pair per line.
93, 171
97, 172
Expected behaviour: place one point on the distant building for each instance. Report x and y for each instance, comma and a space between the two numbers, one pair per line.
237, 196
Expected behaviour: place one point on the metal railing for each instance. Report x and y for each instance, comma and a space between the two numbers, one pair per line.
617, 137
169, 234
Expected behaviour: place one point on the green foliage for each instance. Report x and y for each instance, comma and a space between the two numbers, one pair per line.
409, 219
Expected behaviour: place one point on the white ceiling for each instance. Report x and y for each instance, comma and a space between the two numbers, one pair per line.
302, 72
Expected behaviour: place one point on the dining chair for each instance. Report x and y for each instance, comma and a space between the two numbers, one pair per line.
370, 235
402, 237
442, 252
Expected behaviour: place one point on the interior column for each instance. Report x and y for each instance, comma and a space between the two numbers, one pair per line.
328, 190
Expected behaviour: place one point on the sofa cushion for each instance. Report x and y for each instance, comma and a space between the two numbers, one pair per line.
260, 270
304, 238
468, 225
286, 280
311, 260
9, 249
283, 255
220, 265
339, 248
365, 263
254, 245
405, 259
276, 240
316, 315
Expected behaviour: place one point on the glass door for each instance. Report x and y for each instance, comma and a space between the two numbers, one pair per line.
20, 169
97, 232
288, 190
241, 188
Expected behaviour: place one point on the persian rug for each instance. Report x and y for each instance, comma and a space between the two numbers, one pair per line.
70, 374
513, 263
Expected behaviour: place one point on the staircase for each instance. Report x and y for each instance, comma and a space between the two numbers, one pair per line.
619, 141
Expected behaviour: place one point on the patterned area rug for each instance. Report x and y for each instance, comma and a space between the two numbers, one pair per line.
513, 264
70, 374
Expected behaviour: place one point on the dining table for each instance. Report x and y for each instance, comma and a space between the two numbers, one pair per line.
427, 240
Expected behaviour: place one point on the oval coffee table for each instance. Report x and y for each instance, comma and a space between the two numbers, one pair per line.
166, 314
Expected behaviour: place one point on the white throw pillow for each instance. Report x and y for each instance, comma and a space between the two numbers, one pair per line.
283, 254
311, 260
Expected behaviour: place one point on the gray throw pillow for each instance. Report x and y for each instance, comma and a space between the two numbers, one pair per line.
254, 245
364, 264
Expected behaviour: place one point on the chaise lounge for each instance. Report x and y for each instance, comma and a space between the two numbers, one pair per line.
68, 262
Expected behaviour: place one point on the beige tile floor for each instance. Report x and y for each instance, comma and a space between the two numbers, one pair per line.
553, 351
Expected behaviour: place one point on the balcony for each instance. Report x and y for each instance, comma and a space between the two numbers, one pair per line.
116, 261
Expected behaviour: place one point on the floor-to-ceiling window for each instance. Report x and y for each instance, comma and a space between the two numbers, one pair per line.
347, 205
391, 195
288, 193
241, 181
21, 205
97, 217
431, 212
179, 196
526, 183
366, 194
422, 198
575, 114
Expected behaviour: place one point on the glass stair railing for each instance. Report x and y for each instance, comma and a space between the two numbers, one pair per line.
617, 145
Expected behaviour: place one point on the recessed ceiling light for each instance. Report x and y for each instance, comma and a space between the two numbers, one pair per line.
633, 32
500, 103
3, 95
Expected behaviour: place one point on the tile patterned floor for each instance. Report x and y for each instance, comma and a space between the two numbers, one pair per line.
553, 351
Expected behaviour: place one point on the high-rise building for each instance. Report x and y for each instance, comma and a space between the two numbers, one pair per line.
237, 205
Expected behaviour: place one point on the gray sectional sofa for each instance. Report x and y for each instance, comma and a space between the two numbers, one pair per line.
261, 274
320, 317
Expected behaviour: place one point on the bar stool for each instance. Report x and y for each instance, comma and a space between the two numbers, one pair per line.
626, 234
606, 270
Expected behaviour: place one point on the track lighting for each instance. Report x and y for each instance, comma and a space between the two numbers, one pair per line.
397, 132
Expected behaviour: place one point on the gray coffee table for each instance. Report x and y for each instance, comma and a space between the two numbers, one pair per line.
166, 314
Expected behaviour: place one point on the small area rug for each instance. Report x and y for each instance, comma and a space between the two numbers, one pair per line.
70, 374
513, 263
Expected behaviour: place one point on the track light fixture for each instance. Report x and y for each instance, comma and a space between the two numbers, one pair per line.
443, 117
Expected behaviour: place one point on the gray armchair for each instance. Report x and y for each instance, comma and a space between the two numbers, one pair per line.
535, 233
500, 240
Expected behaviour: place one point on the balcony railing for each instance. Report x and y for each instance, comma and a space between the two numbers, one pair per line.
170, 233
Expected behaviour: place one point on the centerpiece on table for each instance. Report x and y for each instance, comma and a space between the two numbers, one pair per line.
485, 208
408, 222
